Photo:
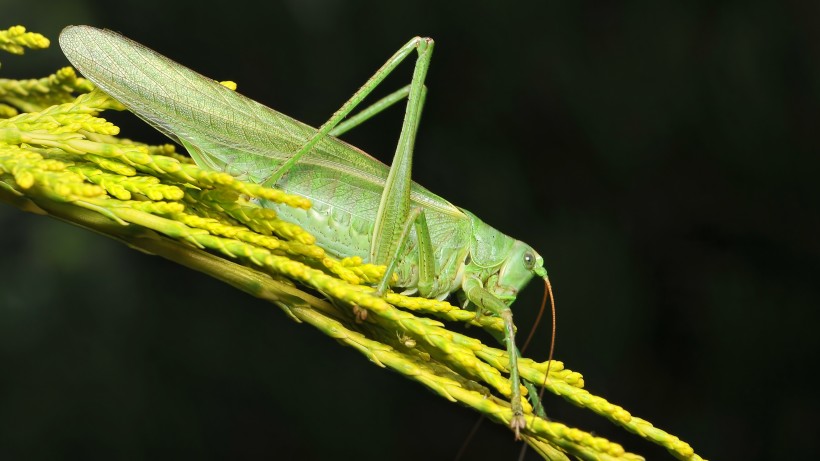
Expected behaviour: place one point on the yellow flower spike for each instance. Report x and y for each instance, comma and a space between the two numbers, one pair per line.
61, 186
152, 189
7, 111
24, 179
369, 273
87, 105
95, 101
52, 165
155, 208
15, 40
173, 169
66, 79
9, 134
201, 209
113, 166
274, 195
341, 271
38, 94
352, 261
134, 155
222, 204
14, 160
253, 215
188, 172
66, 186
242, 234
290, 231
250, 216
142, 213
308, 250
262, 220
674, 445
191, 173
534, 372
584, 399
221, 200
85, 122
444, 310
169, 150
108, 182
23, 167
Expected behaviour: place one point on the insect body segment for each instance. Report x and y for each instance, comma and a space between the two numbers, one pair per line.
360, 206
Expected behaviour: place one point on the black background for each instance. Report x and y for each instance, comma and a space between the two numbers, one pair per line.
661, 157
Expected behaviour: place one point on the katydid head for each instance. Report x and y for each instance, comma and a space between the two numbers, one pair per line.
502, 264
517, 269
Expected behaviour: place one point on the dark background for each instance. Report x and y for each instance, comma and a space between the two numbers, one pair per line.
661, 157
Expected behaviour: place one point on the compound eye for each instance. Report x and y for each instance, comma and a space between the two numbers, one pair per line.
529, 260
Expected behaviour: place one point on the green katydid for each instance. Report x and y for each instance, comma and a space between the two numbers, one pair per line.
360, 206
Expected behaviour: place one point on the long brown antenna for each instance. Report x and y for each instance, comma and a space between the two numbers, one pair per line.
537, 319
547, 289
552, 341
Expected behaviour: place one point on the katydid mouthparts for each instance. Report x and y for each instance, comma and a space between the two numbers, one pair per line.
360, 207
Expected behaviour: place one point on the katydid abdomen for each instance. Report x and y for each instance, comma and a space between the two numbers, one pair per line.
343, 215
